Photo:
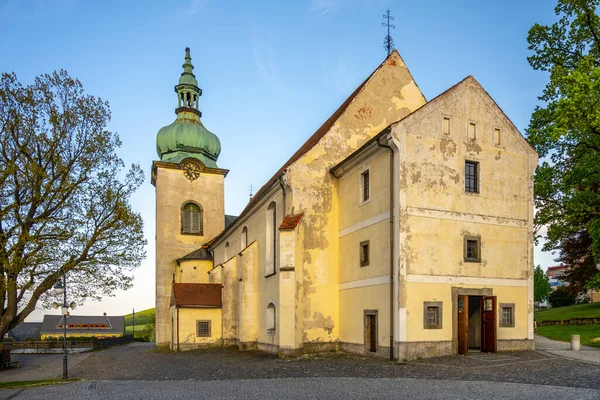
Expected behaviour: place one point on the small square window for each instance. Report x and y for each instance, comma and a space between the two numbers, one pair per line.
446, 126
507, 315
471, 177
365, 185
203, 329
496, 137
472, 131
364, 253
432, 315
472, 249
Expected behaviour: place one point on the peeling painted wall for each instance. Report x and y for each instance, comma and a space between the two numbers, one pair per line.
436, 213
172, 191
389, 95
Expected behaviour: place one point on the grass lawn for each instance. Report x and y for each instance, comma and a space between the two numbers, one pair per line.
141, 317
26, 384
563, 313
563, 333
138, 330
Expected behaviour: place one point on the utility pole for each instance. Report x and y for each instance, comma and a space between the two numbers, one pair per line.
133, 323
388, 43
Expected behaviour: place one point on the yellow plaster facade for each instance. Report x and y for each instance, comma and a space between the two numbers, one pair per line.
292, 288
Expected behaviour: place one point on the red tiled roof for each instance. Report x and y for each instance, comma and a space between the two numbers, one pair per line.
290, 222
196, 295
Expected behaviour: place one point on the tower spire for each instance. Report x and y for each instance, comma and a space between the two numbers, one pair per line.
388, 42
187, 90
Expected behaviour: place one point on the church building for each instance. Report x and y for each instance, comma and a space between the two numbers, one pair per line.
401, 228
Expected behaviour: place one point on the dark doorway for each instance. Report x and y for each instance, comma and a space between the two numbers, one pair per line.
371, 331
475, 322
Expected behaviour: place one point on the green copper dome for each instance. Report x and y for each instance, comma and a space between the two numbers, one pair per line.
187, 137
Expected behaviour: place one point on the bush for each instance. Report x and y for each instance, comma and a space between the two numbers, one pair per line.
561, 297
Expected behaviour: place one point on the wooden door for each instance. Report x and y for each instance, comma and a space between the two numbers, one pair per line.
463, 325
488, 324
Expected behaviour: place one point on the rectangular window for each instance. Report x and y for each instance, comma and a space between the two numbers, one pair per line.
472, 249
472, 131
365, 185
507, 315
432, 315
446, 126
496, 137
471, 177
203, 329
364, 253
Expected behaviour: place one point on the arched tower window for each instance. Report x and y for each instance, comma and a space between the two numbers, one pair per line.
271, 317
191, 219
244, 238
271, 240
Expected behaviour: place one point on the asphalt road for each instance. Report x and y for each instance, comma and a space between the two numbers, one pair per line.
300, 388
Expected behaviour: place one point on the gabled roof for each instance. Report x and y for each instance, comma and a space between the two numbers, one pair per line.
203, 295
201, 254
229, 220
334, 170
290, 222
51, 324
26, 330
309, 144
468, 79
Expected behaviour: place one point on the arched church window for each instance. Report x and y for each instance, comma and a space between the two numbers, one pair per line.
271, 317
191, 219
244, 238
226, 251
271, 240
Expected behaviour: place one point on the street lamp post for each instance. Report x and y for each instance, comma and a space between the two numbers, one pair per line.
61, 288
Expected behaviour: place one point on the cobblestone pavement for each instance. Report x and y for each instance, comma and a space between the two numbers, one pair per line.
143, 362
301, 388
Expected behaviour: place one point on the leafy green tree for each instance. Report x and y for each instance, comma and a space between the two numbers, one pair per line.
561, 297
565, 128
594, 283
541, 285
575, 253
63, 206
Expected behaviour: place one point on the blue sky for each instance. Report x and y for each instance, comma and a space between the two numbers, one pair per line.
271, 72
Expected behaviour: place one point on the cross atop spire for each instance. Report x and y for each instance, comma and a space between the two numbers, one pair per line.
388, 42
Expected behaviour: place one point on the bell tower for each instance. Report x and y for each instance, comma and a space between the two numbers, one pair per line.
189, 192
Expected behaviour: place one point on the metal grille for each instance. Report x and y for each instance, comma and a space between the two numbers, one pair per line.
203, 329
507, 316
471, 184
472, 250
432, 315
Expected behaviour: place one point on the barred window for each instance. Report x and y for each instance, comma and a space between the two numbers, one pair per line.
432, 315
471, 177
507, 315
203, 329
472, 249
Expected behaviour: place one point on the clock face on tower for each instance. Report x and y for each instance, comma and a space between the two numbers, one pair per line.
191, 170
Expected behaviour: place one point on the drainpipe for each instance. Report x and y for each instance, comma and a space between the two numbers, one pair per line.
177, 329
391, 246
